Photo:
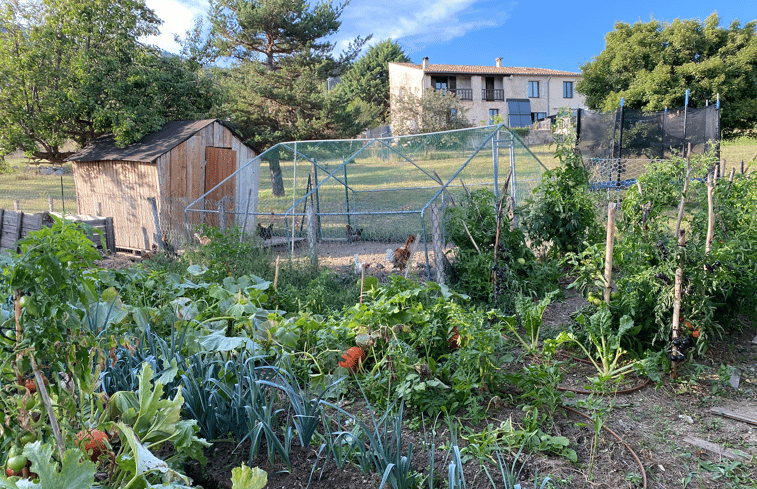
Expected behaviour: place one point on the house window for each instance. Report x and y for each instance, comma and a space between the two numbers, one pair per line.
533, 89
518, 112
538, 116
444, 83
493, 116
567, 89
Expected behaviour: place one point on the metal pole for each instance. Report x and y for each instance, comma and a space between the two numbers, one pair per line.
495, 162
346, 192
513, 181
62, 199
685, 113
294, 193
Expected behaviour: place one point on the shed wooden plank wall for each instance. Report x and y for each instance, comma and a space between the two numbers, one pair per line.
182, 177
119, 189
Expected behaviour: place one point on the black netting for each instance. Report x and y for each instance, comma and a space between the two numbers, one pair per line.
636, 134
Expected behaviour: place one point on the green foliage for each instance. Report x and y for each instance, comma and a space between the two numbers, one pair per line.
245, 477
75, 70
563, 215
529, 317
652, 64
518, 271
366, 82
51, 273
432, 111
71, 472
275, 89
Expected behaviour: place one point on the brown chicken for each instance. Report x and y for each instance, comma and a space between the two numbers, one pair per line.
401, 255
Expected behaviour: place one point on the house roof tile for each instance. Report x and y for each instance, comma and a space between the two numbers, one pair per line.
486, 70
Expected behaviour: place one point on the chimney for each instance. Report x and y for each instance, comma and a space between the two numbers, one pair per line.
498, 62
425, 63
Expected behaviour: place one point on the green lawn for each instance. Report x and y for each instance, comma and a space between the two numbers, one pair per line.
32, 190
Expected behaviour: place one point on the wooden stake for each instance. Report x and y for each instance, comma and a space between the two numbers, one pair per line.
48, 405
470, 236
677, 299
276, 274
362, 282
710, 216
683, 194
608, 251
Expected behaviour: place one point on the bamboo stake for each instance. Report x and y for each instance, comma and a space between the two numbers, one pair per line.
677, 300
710, 216
467, 192
470, 236
48, 405
500, 208
608, 251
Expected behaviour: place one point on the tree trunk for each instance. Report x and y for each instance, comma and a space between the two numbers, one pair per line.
277, 180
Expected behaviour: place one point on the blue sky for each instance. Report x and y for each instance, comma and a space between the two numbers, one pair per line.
559, 35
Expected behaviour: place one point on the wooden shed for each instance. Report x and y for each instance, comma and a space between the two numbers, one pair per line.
147, 185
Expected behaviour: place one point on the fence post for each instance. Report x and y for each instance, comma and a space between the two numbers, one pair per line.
50, 203
156, 218
222, 215
246, 215
17, 205
437, 243
495, 162
110, 235
312, 235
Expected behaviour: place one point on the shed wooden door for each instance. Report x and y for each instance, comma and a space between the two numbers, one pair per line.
219, 164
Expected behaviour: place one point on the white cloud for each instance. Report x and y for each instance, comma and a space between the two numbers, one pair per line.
178, 17
419, 23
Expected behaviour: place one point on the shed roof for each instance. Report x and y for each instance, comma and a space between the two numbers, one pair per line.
486, 70
150, 147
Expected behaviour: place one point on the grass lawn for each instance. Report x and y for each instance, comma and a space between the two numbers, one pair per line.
32, 190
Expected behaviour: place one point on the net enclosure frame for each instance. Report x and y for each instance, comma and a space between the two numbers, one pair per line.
380, 189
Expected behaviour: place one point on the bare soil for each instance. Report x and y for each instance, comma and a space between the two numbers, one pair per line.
666, 425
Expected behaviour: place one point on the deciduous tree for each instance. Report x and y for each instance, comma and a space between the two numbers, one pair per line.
75, 70
652, 64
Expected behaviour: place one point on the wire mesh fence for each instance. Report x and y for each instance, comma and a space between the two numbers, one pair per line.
379, 189
38, 190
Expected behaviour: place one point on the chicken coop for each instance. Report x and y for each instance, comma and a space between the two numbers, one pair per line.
146, 185
381, 189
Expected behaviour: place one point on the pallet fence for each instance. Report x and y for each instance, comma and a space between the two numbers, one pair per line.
17, 224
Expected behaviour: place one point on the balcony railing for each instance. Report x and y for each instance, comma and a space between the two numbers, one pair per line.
491, 95
461, 93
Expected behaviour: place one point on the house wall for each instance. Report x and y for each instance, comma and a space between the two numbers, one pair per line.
404, 78
119, 189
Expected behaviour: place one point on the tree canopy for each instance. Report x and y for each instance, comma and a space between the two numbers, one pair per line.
432, 111
75, 70
276, 87
652, 64
366, 82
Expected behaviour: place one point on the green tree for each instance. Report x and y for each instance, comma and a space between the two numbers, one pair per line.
275, 89
430, 112
652, 64
75, 70
366, 83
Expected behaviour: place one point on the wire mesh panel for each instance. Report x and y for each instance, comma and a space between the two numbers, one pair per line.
380, 189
